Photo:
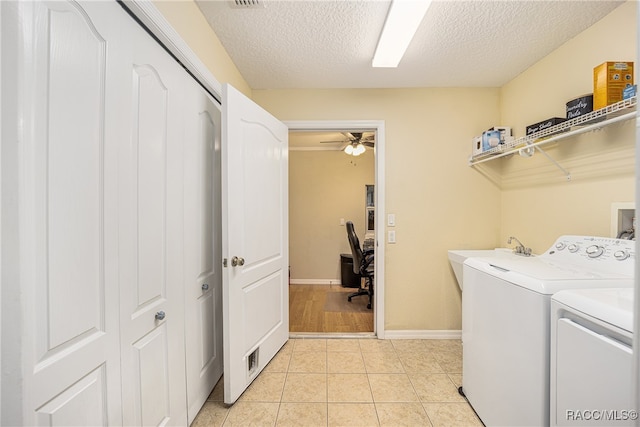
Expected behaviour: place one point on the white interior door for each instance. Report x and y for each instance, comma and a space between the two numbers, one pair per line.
202, 237
255, 239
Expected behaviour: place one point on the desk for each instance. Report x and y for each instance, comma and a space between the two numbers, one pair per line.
368, 244
348, 279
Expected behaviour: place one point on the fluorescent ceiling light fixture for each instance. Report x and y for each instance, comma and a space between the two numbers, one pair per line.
402, 22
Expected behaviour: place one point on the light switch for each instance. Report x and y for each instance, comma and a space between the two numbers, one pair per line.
391, 220
391, 236
341, 221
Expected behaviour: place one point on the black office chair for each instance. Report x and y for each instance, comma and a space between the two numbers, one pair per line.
363, 264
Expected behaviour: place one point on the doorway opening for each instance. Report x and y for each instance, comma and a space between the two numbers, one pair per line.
329, 187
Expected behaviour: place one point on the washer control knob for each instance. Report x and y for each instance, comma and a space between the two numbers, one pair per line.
573, 248
560, 246
594, 251
621, 255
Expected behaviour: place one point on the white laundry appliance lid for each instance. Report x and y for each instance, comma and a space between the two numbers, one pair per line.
543, 268
613, 305
572, 262
546, 276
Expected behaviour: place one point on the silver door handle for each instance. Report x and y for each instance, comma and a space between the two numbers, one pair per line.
160, 315
237, 261
205, 287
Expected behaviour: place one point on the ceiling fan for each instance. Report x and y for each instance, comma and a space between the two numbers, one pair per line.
355, 142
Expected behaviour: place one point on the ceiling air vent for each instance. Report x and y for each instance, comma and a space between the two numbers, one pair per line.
246, 4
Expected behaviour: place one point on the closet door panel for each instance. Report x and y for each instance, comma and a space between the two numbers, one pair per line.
151, 377
149, 149
72, 180
79, 405
68, 219
144, 292
203, 290
151, 230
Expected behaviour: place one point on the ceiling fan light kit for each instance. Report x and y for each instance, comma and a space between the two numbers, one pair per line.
403, 19
356, 142
354, 149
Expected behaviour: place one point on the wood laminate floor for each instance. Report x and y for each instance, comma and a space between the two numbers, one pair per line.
307, 311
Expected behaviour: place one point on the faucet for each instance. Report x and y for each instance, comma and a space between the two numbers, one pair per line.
520, 249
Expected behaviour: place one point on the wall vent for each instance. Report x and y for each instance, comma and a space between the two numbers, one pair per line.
247, 4
252, 362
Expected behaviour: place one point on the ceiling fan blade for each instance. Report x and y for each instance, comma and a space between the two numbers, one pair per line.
354, 138
350, 136
334, 142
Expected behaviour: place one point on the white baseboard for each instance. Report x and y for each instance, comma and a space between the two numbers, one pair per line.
423, 334
315, 281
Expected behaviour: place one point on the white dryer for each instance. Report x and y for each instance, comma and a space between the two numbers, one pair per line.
591, 358
506, 322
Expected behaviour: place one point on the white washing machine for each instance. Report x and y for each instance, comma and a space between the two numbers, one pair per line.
591, 358
506, 322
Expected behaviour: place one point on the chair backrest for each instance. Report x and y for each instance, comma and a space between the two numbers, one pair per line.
356, 250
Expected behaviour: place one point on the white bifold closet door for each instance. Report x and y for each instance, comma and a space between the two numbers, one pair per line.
69, 135
202, 251
151, 223
118, 169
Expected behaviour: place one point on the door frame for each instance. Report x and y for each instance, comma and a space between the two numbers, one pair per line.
379, 127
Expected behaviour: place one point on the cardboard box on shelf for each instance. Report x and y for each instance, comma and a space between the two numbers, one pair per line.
477, 145
505, 131
579, 106
609, 81
545, 124
490, 139
629, 92
494, 137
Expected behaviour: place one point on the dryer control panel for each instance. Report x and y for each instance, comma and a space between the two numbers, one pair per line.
600, 253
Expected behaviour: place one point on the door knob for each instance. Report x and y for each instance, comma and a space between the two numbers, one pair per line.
160, 315
237, 261
205, 287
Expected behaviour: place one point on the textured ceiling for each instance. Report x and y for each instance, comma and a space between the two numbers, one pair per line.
330, 43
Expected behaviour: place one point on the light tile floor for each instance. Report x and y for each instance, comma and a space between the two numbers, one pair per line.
351, 382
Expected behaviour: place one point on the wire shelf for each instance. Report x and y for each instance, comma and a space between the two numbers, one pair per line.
620, 111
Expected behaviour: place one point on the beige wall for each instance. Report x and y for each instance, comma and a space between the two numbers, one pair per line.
325, 186
440, 203
538, 203
185, 17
